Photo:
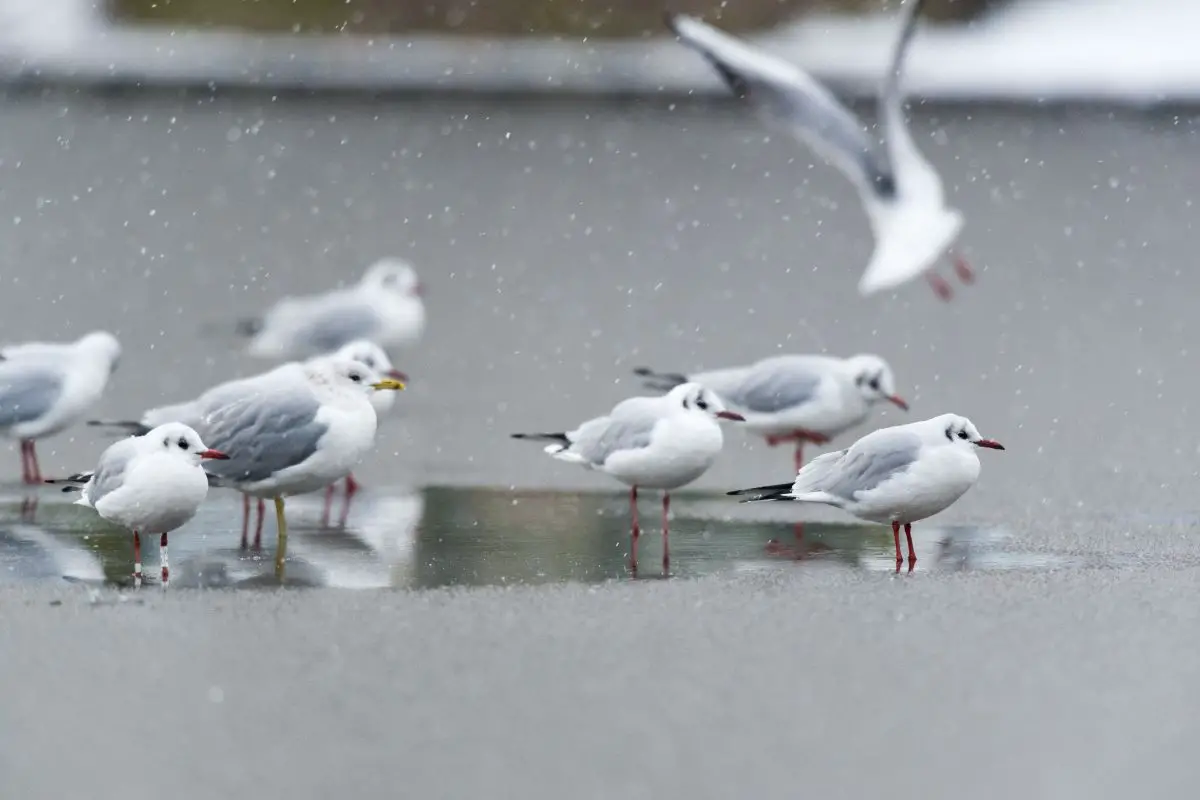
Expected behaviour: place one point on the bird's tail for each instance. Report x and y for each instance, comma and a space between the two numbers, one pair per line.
71, 483
121, 425
660, 381
778, 491
559, 441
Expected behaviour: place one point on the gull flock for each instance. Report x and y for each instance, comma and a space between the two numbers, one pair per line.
305, 424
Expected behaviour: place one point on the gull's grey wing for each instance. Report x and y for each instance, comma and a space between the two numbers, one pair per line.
773, 386
339, 325
789, 97
261, 427
597, 440
27, 391
866, 465
110, 472
914, 172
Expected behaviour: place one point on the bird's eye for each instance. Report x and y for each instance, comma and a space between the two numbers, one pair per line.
962, 434
702, 404
354, 376
183, 443
874, 383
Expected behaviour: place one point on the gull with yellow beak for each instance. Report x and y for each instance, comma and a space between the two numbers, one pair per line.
293, 430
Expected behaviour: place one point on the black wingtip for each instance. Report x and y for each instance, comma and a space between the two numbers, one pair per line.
250, 326
776, 491
543, 437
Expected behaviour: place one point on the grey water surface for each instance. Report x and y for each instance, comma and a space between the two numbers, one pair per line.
1045, 646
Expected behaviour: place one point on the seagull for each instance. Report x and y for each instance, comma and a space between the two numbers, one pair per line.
149, 483
800, 398
192, 412
900, 190
385, 307
900, 475
46, 387
292, 430
649, 442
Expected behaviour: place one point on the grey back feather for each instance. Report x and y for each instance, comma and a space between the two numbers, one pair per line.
110, 473
26, 391
866, 465
340, 325
770, 387
598, 439
262, 431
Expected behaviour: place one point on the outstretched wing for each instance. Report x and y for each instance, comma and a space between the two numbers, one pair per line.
794, 100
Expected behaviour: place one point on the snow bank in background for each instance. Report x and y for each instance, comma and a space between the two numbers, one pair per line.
1030, 50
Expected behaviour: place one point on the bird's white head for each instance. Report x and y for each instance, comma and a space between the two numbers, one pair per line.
101, 346
959, 431
699, 399
374, 356
347, 373
180, 441
874, 379
392, 275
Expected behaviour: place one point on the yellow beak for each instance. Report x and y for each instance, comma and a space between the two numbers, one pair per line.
388, 383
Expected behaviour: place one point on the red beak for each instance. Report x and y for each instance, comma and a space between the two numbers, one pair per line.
217, 454
898, 400
991, 444
397, 374
733, 415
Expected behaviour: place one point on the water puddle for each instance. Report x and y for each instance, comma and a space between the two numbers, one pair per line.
449, 537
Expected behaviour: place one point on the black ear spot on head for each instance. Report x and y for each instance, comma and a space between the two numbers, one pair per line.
950, 432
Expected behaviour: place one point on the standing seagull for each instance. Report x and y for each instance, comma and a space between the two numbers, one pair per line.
292, 430
45, 387
900, 190
652, 442
192, 412
794, 397
900, 475
385, 307
149, 484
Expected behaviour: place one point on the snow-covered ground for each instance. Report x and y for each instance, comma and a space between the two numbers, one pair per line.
1028, 50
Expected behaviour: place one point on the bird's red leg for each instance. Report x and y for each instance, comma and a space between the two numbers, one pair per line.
33, 462
633, 537
896, 537
962, 268
137, 560
245, 521
26, 477
262, 509
940, 286
666, 540
912, 556
352, 486
162, 555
